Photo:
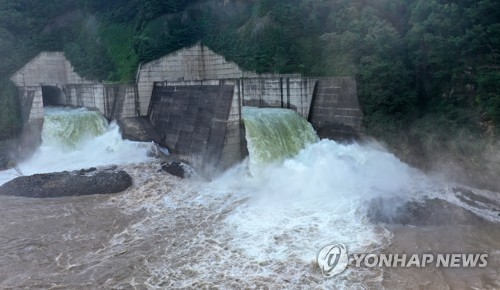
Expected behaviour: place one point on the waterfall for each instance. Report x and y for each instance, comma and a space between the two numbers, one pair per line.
68, 127
304, 193
275, 134
79, 138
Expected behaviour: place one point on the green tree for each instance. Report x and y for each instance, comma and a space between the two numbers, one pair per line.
88, 54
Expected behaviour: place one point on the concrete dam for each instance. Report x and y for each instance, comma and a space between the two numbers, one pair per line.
189, 101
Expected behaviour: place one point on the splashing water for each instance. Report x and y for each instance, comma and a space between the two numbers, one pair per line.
315, 198
239, 231
320, 196
274, 135
67, 127
307, 193
78, 138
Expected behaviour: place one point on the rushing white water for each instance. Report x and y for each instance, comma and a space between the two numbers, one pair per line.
315, 198
66, 128
321, 196
306, 194
239, 231
78, 138
275, 134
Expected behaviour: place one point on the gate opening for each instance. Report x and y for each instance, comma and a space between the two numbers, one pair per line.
52, 96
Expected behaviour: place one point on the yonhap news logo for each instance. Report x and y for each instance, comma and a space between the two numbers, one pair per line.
334, 258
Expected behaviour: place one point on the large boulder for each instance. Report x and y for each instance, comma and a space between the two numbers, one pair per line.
174, 168
75, 183
429, 212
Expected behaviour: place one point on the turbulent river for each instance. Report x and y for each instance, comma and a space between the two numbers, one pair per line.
260, 224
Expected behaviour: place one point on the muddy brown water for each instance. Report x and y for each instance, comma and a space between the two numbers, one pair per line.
137, 240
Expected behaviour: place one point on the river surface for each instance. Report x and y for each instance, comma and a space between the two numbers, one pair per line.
165, 232
247, 229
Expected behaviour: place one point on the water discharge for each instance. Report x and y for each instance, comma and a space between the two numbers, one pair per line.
318, 197
246, 229
79, 138
275, 134
298, 203
68, 127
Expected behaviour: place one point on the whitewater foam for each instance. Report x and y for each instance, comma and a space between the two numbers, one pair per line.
274, 134
66, 127
302, 194
242, 230
313, 199
73, 139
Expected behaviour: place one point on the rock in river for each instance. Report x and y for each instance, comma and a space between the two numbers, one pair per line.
174, 168
75, 183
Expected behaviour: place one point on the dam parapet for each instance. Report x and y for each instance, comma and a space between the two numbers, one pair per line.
193, 99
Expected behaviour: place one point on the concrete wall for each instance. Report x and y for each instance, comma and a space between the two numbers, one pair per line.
113, 101
48, 68
335, 111
192, 120
188, 64
89, 96
279, 91
31, 103
53, 70
120, 101
32, 115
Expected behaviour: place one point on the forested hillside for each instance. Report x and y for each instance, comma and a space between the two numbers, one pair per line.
428, 71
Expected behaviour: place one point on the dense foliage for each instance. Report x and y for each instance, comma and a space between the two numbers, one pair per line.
428, 71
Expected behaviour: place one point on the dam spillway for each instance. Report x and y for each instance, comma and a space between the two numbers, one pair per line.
67, 127
190, 100
76, 138
274, 134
